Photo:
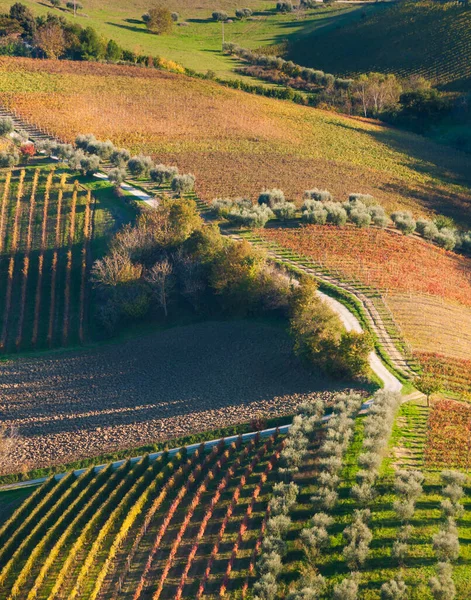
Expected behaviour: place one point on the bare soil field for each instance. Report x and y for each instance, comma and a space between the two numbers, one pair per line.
183, 380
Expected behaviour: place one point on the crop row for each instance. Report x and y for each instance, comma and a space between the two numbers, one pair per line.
81, 536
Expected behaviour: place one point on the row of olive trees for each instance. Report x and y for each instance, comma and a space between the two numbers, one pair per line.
240, 13
377, 431
288, 67
284, 498
446, 543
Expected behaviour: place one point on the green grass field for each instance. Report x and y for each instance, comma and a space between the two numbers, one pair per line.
197, 45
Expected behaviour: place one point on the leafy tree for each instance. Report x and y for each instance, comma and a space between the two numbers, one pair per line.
113, 51
50, 39
161, 281
92, 45
159, 20
183, 184
428, 385
21, 13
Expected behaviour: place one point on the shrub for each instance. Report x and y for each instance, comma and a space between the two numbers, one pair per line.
27, 150
243, 13
314, 212
445, 238
441, 585
220, 15
6, 125
284, 6
9, 159
319, 195
163, 174
404, 221
140, 165
183, 184
427, 229
365, 199
284, 211
378, 216
271, 197
336, 214
360, 218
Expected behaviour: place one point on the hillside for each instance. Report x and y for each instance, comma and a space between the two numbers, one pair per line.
235, 143
427, 38
196, 44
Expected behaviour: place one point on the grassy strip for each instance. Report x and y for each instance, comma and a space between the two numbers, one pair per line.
156, 447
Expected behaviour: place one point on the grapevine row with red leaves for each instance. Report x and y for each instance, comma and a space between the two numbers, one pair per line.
234, 501
197, 471
245, 522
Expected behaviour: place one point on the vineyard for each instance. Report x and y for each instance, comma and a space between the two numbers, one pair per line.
427, 38
46, 227
448, 435
454, 374
207, 130
180, 526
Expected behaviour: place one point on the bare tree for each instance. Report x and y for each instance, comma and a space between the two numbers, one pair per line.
160, 279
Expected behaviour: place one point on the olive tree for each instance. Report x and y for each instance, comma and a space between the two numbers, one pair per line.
120, 157
271, 197
319, 195
6, 126
441, 585
395, 589
183, 184
347, 589
404, 221
117, 176
140, 166
161, 174
9, 159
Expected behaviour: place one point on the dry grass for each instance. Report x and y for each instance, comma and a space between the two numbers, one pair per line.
237, 143
431, 324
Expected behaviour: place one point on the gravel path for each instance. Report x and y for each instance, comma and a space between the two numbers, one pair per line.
74, 404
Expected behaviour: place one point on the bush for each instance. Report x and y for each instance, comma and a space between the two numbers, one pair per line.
314, 212
271, 197
9, 159
140, 165
220, 15
427, 229
319, 195
336, 214
159, 20
445, 543
243, 13
404, 221
445, 238
360, 218
378, 216
183, 184
284, 6
6, 126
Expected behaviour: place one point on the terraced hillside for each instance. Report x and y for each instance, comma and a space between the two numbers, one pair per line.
426, 38
235, 143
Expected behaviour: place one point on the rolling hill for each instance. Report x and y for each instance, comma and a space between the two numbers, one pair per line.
427, 38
